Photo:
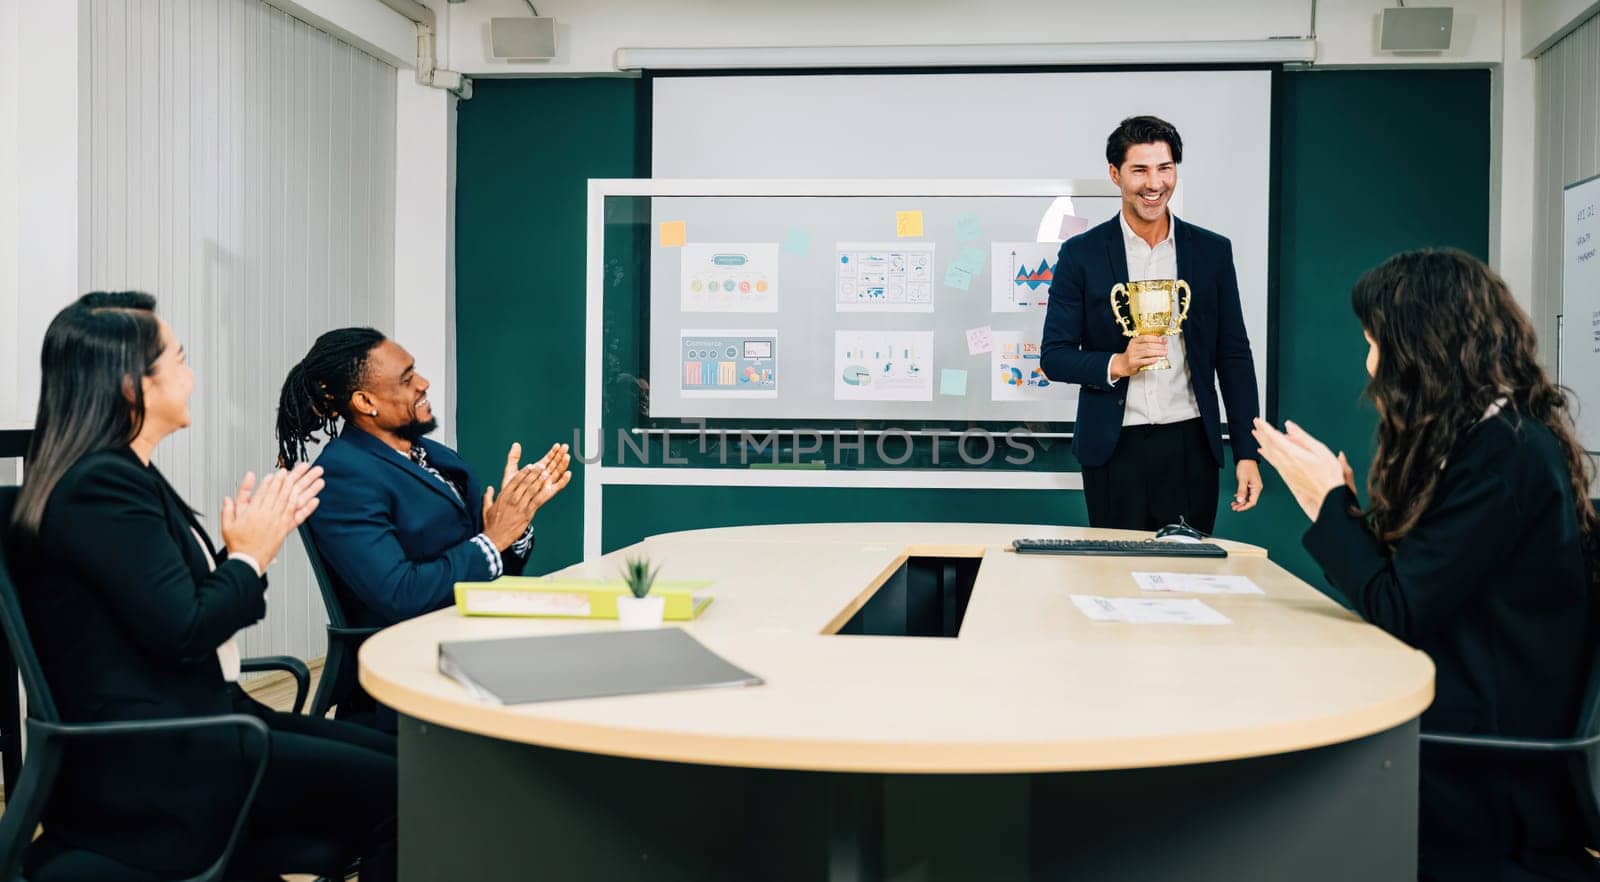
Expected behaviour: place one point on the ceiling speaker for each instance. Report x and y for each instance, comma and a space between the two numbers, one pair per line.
522, 39
1415, 29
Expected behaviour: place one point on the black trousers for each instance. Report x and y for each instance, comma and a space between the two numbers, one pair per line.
324, 779
1156, 475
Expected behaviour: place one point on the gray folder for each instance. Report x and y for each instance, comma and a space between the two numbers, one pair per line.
518, 670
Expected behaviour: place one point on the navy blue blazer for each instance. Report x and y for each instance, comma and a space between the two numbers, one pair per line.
1081, 335
394, 535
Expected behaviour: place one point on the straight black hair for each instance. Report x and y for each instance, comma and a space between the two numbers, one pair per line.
95, 353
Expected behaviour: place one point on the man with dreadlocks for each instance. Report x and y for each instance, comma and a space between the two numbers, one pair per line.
402, 518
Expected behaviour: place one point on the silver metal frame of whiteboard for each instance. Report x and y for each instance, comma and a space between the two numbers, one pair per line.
1562, 315
597, 476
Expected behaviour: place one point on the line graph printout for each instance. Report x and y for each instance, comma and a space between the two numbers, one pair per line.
1020, 275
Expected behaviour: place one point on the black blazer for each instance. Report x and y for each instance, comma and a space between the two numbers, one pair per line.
127, 617
1493, 584
395, 537
1081, 336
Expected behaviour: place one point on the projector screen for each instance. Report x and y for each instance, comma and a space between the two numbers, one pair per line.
958, 126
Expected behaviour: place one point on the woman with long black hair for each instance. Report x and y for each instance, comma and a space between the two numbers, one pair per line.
134, 613
1477, 547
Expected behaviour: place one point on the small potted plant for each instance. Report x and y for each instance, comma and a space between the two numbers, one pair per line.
638, 609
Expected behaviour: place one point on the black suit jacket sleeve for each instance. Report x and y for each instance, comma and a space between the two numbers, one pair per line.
1435, 570
110, 525
1061, 353
1236, 369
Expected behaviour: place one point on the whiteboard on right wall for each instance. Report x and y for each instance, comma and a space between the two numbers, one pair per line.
1580, 304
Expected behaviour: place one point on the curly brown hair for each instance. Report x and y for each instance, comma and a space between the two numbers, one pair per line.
1451, 342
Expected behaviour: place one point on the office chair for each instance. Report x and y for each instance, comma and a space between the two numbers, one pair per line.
49, 737
339, 686
1582, 750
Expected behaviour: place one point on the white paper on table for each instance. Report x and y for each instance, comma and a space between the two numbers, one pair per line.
1145, 611
1196, 583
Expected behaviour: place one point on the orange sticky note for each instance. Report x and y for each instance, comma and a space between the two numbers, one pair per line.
673, 234
907, 223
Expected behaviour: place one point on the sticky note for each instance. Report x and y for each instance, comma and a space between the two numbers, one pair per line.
907, 223
1072, 226
674, 234
980, 340
952, 382
957, 276
797, 242
972, 260
968, 228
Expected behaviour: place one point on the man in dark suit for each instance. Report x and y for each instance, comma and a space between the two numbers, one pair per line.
1150, 442
402, 518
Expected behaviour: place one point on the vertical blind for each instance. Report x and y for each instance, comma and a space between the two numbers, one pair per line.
239, 165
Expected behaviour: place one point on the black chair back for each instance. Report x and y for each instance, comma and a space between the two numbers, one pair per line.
331, 601
1585, 763
339, 686
40, 704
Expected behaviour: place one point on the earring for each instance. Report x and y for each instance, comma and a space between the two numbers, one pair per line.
374, 413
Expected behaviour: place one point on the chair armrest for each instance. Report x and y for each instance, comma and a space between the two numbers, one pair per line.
1510, 743
296, 667
47, 745
352, 633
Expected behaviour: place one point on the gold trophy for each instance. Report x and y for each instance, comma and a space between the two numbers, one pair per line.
1156, 308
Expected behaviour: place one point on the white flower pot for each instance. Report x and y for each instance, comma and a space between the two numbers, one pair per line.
640, 612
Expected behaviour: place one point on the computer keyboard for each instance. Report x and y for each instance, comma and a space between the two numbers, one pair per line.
1118, 547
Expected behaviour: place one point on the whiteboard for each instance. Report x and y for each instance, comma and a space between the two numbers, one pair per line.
769, 277
979, 126
1579, 367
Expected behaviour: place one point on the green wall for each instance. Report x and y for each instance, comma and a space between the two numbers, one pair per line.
1368, 162
525, 152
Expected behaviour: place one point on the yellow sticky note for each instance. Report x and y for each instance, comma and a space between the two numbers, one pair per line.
907, 223
674, 233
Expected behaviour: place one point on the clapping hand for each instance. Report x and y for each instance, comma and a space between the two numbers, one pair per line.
256, 519
523, 489
1307, 465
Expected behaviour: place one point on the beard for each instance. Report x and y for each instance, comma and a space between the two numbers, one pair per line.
414, 430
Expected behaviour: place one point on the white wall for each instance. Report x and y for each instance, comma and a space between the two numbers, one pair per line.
424, 292
365, 24
240, 165
39, 202
1546, 21
11, 350
589, 32
1512, 203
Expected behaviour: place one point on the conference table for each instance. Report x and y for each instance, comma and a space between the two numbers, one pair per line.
935, 706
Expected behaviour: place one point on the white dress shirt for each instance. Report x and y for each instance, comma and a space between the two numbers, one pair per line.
1167, 396
228, 653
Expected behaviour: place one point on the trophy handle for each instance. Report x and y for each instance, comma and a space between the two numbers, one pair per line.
1125, 324
1183, 301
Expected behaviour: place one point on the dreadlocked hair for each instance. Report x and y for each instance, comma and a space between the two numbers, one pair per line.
316, 394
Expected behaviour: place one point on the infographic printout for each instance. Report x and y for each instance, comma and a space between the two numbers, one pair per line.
1016, 374
884, 277
883, 366
729, 363
730, 277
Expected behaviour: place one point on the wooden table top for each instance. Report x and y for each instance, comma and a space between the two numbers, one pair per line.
1030, 684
